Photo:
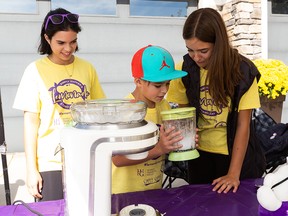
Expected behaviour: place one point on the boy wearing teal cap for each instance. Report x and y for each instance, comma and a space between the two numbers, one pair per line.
152, 68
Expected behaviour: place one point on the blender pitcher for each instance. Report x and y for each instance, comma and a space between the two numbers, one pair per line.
183, 119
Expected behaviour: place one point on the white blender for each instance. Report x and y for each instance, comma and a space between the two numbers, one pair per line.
104, 128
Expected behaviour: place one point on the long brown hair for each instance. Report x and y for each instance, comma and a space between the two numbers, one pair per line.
207, 25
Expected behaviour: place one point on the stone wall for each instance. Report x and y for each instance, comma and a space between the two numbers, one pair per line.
243, 21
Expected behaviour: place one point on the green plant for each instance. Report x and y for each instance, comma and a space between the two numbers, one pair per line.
274, 77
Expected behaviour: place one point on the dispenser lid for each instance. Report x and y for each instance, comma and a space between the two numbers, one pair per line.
140, 210
113, 111
178, 113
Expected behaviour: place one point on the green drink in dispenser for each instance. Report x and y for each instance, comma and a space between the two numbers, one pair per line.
184, 120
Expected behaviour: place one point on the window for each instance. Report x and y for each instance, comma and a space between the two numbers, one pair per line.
158, 8
18, 6
279, 7
95, 7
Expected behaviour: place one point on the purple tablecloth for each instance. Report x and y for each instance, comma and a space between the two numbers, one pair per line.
188, 200
49, 208
195, 200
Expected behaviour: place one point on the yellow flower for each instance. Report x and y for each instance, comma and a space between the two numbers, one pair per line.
274, 77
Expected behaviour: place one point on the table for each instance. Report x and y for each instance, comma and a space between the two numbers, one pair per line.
49, 208
189, 200
195, 200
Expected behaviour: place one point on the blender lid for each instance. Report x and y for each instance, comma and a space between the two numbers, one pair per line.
113, 111
140, 210
178, 113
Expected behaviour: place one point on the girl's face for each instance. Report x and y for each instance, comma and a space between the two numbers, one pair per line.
199, 51
63, 44
152, 92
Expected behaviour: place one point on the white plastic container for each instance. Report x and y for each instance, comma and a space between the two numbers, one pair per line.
87, 152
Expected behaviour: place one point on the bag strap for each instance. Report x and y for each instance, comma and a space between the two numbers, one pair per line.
284, 131
258, 111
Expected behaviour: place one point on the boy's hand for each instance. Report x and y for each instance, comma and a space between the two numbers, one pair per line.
196, 138
169, 140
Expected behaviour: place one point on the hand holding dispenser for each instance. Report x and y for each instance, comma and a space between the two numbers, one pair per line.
183, 119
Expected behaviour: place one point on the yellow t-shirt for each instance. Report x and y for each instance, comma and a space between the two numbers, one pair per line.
143, 176
212, 129
47, 88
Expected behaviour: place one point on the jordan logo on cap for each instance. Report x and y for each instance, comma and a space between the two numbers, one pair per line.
164, 64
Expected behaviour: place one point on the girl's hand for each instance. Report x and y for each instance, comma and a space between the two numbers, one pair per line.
34, 184
226, 183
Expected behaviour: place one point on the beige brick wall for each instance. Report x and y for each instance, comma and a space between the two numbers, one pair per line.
243, 22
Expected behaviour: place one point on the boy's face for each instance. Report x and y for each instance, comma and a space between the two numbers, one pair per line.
152, 91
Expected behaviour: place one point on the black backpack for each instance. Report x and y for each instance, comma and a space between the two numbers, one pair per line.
273, 138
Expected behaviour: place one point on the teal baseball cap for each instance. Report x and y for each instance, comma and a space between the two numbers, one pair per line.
154, 64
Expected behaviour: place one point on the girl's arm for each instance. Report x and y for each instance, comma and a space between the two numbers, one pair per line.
231, 180
34, 180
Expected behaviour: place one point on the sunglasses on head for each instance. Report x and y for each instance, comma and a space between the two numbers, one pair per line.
57, 19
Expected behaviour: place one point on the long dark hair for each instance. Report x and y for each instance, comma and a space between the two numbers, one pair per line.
44, 47
207, 25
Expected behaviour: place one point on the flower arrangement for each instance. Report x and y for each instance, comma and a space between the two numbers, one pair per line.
274, 77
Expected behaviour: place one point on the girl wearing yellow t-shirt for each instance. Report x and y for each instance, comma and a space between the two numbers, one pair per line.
222, 85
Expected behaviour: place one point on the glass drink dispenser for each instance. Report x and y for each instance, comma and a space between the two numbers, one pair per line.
183, 119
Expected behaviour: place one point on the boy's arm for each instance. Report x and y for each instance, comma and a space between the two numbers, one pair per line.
165, 144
